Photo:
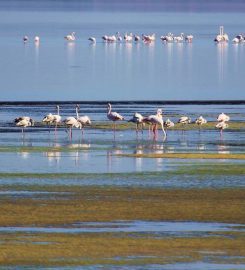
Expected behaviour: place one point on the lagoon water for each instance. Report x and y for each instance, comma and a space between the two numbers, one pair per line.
57, 70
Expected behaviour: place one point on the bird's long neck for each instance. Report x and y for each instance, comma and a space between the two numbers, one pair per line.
163, 130
77, 112
108, 109
58, 110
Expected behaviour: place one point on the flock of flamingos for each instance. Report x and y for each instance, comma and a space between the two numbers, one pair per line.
169, 38
153, 121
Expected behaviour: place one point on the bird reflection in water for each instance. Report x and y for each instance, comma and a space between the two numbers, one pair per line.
77, 154
111, 156
223, 149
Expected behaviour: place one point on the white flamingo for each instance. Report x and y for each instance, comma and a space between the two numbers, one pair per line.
57, 117
189, 38
105, 37
136, 38
184, 120
71, 122
201, 121
112, 38
48, 119
118, 36
179, 38
221, 126
25, 39
113, 116
37, 39
92, 39
23, 122
238, 39
168, 38
221, 37
128, 38
223, 117
138, 119
149, 38
156, 120
84, 120
168, 123
70, 37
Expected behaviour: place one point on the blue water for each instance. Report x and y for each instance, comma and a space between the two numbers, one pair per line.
57, 70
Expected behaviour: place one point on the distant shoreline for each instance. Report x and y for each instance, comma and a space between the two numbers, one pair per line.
162, 102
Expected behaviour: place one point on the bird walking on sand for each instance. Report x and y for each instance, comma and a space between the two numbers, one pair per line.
113, 116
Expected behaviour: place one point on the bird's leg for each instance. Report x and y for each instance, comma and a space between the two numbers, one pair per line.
137, 128
142, 128
55, 129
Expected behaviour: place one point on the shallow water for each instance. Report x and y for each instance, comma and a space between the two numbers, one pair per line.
57, 70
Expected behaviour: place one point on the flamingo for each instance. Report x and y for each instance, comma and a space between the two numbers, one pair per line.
36, 39
168, 123
138, 119
70, 37
71, 122
148, 38
23, 122
84, 120
223, 117
128, 38
92, 39
113, 116
25, 39
201, 121
48, 119
221, 37
168, 38
179, 38
118, 36
189, 38
136, 38
238, 39
57, 117
112, 38
105, 37
221, 126
156, 120
184, 120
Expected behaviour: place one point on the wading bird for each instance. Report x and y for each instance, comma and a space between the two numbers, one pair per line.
113, 116
200, 121
223, 117
221, 126
70, 37
92, 39
156, 120
84, 120
138, 119
23, 122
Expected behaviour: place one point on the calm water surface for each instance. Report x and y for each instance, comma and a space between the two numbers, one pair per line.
57, 70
